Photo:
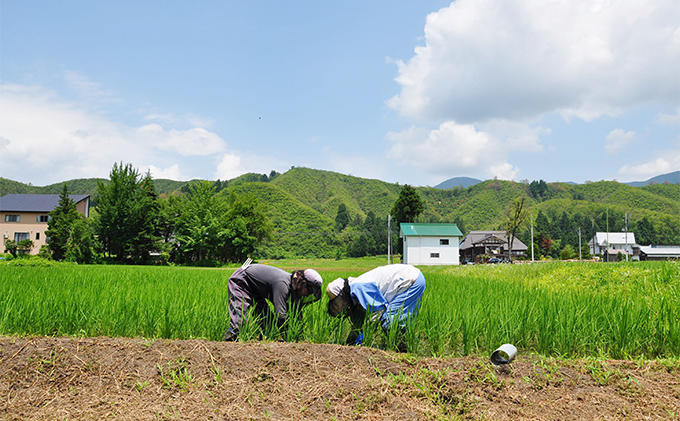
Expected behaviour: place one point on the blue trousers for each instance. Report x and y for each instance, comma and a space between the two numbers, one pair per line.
405, 305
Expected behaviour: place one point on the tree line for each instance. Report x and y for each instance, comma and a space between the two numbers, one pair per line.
132, 224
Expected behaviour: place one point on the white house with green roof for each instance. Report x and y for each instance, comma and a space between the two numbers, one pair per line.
430, 244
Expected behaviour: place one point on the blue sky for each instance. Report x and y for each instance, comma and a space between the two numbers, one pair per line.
408, 92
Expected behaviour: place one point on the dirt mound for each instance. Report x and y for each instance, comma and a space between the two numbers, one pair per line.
96, 378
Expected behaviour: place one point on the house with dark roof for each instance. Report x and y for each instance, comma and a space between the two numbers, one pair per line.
430, 244
25, 216
491, 244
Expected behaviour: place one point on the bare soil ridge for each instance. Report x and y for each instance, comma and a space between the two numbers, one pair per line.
97, 378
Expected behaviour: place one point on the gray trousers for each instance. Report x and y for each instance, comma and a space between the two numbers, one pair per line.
241, 298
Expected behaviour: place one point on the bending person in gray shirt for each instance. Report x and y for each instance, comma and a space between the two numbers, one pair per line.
253, 285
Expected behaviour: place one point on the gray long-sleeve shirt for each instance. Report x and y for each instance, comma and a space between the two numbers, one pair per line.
270, 283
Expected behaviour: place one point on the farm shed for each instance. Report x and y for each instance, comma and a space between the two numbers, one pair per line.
25, 216
430, 244
490, 243
656, 252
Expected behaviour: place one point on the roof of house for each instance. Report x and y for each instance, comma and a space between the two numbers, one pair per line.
34, 202
661, 251
613, 238
430, 230
479, 237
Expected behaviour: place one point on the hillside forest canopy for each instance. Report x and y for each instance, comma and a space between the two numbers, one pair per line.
320, 214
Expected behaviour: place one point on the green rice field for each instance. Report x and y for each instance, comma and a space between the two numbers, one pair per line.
570, 309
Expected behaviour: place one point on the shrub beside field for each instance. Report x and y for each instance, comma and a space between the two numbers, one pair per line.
622, 310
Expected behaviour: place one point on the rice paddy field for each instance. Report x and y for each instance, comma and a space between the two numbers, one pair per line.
565, 309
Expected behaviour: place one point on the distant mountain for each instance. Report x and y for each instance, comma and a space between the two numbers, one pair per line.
671, 177
457, 182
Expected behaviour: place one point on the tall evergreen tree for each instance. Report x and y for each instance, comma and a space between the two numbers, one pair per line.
408, 205
61, 223
146, 213
128, 214
342, 218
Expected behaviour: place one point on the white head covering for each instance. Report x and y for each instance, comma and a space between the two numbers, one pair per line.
335, 288
313, 277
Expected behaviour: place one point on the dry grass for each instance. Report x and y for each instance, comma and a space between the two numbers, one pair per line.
99, 378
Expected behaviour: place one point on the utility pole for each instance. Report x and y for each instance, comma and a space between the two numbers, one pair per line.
607, 235
389, 239
531, 217
626, 218
579, 244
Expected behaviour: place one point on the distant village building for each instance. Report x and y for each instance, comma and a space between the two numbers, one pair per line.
430, 244
612, 243
25, 216
491, 244
656, 252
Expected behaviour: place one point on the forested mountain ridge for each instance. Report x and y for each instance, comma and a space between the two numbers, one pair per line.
303, 203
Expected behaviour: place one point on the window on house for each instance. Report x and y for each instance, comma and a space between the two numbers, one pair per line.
21, 236
37, 236
43, 218
434, 255
12, 218
444, 242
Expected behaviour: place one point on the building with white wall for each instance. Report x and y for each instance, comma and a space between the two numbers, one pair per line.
615, 242
430, 244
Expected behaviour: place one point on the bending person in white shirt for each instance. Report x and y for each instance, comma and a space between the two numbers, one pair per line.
391, 292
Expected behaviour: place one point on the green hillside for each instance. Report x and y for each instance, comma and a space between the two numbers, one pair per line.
297, 226
323, 191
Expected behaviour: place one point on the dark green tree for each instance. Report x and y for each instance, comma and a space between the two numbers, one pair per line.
342, 218
408, 205
127, 215
80, 244
146, 214
248, 226
201, 226
644, 232
60, 225
539, 189
211, 228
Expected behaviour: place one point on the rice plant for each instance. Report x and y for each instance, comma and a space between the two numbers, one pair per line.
622, 310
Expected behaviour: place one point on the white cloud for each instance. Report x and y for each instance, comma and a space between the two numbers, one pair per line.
504, 171
666, 162
449, 148
618, 139
229, 167
45, 139
48, 138
463, 148
170, 173
512, 59
516, 136
193, 142
669, 119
